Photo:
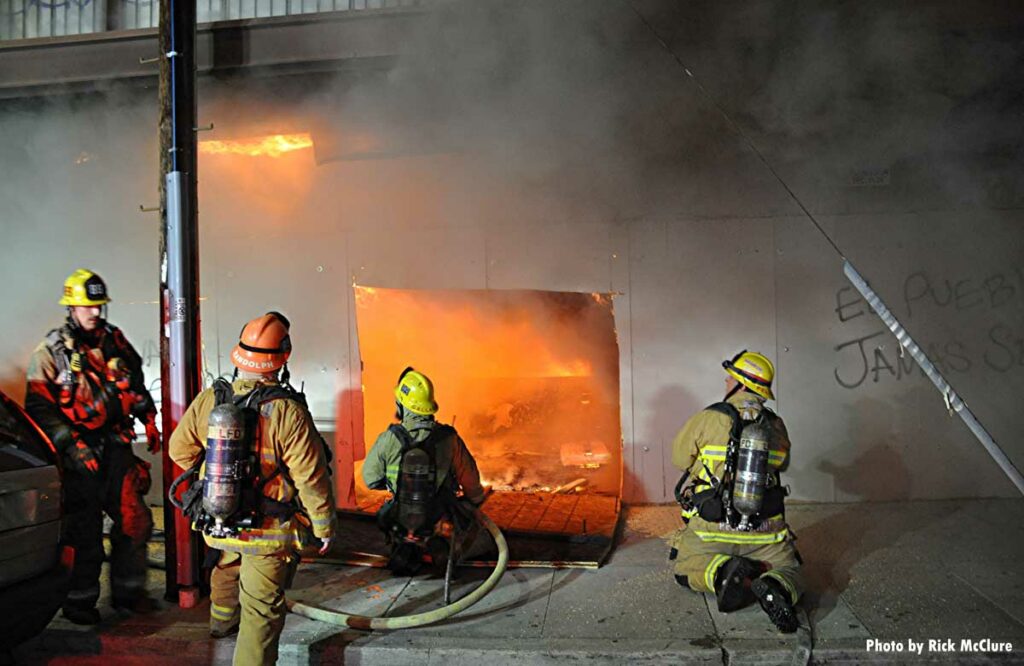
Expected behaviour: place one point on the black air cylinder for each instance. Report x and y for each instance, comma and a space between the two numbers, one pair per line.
225, 462
415, 489
751, 470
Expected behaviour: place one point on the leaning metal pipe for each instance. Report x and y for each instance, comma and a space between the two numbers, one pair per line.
953, 400
420, 619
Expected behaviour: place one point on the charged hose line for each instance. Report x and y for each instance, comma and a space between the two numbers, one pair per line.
420, 619
953, 401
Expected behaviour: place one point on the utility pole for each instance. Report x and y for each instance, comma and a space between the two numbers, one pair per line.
179, 273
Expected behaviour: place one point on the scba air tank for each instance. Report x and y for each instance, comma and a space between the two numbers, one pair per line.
415, 489
751, 471
225, 463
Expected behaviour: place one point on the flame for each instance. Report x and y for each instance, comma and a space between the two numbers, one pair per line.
575, 368
264, 146
364, 295
521, 374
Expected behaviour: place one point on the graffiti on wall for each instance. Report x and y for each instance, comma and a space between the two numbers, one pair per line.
986, 301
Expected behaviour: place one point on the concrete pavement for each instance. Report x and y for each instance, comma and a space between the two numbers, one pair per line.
885, 579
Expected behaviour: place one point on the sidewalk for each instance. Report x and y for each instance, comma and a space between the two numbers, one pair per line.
892, 572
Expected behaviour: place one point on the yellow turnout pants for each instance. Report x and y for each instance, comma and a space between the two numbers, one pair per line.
699, 561
249, 590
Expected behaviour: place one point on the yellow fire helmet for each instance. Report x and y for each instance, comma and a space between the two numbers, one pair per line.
83, 287
754, 371
415, 392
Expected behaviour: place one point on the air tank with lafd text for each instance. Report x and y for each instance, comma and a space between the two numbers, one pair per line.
225, 462
751, 471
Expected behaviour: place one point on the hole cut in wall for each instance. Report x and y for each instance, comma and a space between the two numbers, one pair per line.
529, 378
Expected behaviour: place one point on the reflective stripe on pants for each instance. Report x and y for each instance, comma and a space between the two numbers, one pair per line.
699, 561
224, 591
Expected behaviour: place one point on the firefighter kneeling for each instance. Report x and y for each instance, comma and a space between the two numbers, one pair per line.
264, 490
737, 543
424, 464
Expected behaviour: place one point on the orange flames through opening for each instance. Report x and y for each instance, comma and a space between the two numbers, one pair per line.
531, 378
265, 146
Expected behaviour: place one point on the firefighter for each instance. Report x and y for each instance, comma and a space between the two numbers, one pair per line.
452, 466
292, 480
85, 390
739, 563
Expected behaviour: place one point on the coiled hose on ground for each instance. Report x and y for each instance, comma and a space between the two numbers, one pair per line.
420, 619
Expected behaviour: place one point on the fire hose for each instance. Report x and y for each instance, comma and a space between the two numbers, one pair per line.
419, 619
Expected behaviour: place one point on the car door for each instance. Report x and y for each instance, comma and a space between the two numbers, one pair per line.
30, 498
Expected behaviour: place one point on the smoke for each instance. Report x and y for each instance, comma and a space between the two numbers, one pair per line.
529, 119
929, 95
75, 171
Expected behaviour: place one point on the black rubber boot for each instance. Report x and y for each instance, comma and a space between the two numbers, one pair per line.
83, 616
405, 560
774, 601
732, 583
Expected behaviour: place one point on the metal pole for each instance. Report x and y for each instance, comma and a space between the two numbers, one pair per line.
953, 401
179, 272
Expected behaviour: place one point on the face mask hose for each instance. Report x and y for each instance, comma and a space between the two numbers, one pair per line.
420, 619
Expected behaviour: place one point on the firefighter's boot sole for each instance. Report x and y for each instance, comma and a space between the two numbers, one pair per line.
732, 584
775, 603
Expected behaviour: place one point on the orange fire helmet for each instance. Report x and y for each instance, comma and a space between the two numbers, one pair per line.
263, 345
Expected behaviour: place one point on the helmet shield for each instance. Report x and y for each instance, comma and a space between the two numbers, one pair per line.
84, 288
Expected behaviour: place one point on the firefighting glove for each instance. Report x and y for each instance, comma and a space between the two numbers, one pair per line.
83, 458
325, 545
152, 434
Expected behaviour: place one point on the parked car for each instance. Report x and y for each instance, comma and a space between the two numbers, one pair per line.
34, 566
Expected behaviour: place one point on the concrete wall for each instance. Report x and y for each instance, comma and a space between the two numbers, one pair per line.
581, 157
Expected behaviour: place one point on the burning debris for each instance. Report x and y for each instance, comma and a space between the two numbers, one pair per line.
530, 378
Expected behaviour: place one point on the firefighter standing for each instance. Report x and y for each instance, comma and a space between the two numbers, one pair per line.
713, 554
85, 390
293, 487
453, 464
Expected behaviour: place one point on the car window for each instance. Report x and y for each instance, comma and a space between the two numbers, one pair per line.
20, 445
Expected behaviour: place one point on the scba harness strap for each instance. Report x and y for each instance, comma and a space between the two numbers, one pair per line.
255, 503
442, 495
251, 404
72, 364
711, 504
